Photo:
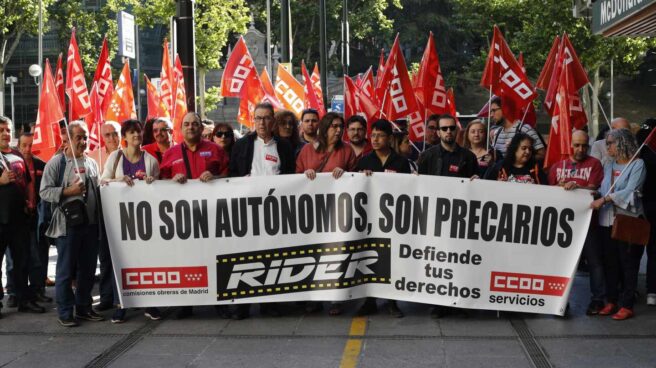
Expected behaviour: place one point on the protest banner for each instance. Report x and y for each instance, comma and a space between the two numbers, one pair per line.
437, 240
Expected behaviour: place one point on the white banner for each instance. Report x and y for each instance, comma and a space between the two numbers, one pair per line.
426, 239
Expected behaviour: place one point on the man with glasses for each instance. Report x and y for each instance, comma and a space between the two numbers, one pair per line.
504, 130
581, 170
309, 125
356, 130
162, 133
111, 135
447, 159
194, 158
432, 128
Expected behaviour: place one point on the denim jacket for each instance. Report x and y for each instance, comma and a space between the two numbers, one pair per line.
626, 194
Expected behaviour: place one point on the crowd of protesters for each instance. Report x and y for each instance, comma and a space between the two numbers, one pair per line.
57, 203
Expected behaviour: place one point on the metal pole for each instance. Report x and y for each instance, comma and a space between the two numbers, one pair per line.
612, 92
185, 44
268, 36
345, 38
136, 43
40, 52
322, 50
13, 118
284, 30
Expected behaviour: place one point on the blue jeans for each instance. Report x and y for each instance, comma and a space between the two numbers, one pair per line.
592, 251
76, 253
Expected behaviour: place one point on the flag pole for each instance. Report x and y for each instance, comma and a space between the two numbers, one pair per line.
70, 141
489, 121
425, 128
600, 106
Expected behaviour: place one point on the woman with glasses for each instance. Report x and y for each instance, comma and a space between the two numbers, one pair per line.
518, 164
327, 154
128, 165
286, 126
224, 136
621, 194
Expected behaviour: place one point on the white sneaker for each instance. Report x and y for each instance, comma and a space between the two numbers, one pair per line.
651, 299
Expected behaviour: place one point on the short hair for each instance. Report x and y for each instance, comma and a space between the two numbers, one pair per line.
77, 124
164, 120
208, 122
496, 100
25, 135
116, 125
6, 120
266, 106
433, 117
309, 111
382, 125
446, 116
356, 119
131, 125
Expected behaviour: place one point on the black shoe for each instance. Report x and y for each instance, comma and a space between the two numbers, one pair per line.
270, 309
242, 311
222, 311
90, 316
104, 306
593, 308
185, 312
67, 322
394, 310
31, 307
369, 307
42, 298
439, 311
12, 302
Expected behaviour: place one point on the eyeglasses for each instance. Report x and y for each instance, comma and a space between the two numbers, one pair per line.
223, 134
259, 119
448, 128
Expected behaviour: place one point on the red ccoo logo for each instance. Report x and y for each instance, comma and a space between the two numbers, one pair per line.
528, 283
164, 277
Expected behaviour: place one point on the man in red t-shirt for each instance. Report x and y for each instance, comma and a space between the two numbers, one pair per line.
584, 171
205, 159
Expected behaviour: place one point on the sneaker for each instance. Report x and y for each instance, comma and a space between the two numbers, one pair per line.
153, 313
90, 316
67, 322
622, 314
119, 315
394, 310
608, 309
594, 308
104, 306
651, 299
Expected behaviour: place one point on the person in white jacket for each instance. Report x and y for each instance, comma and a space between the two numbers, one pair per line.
127, 165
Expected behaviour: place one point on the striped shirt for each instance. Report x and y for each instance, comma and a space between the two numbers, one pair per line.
501, 137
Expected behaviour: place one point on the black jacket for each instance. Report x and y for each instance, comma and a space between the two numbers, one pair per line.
241, 157
430, 162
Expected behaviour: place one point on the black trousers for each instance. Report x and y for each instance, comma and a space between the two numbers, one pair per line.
15, 236
621, 265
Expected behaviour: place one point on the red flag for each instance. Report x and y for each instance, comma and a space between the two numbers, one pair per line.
398, 95
316, 82
156, 107
266, 83
289, 91
430, 89
577, 75
121, 106
94, 120
530, 116
506, 78
560, 134
349, 97
547, 69
180, 107
103, 78
59, 83
47, 137
76, 86
381, 66
167, 80
366, 107
311, 98
358, 81
451, 106
368, 85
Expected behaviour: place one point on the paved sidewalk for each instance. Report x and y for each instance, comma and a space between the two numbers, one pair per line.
480, 339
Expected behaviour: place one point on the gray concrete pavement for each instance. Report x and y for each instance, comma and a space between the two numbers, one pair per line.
479, 339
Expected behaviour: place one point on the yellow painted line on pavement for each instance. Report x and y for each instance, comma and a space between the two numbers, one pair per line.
353, 345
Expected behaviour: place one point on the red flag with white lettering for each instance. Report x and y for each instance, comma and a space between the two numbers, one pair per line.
289, 91
429, 88
103, 78
560, 133
180, 106
59, 83
530, 116
506, 78
156, 107
350, 108
167, 80
547, 69
368, 85
311, 98
76, 86
47, 138
316, 82
94, 120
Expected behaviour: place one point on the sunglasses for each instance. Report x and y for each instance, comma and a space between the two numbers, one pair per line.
448, 128
223, 134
